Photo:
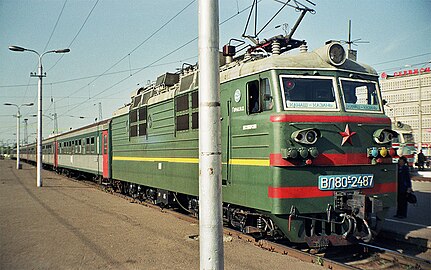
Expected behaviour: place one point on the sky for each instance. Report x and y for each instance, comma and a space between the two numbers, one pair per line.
117, 46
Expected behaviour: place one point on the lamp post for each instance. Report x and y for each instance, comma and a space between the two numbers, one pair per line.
39, 104
18, 116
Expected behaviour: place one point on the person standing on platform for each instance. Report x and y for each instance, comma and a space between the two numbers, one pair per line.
404, 187
421, 161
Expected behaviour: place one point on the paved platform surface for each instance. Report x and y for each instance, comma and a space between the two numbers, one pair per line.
416, 228
69, 225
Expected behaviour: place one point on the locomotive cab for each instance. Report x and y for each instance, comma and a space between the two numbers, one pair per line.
319, 118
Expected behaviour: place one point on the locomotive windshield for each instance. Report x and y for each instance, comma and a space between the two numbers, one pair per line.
360, 95
308, 93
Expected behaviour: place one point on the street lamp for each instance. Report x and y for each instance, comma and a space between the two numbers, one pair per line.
18, 116
39, 104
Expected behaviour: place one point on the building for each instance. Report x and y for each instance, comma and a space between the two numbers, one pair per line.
408, 96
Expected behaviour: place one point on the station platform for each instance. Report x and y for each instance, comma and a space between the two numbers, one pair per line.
69, 225
416, 228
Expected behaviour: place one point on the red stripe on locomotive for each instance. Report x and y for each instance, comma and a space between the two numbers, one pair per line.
324, 159
314, 192
329, 119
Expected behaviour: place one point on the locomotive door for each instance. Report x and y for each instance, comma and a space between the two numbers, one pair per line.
105, 154
226, 130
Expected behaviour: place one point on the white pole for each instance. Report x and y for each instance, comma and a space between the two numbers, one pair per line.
18, 116
210, 191
39, 125
39, 105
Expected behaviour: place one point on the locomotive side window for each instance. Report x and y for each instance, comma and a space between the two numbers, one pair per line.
133, 118
182, 122
360, 95
253, 97
182, 103
267, 97
143, 129
195, 100
142, 113
195, 110
133, 131
183, 110
142, 121
309, 93
195, 120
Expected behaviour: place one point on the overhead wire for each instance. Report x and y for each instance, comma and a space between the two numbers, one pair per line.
137, 47
400, 59
102, 98
55, 25
46, 46
106, 74
397, 68
124, 79
127, 55
75, 37
77, 34
159, 59
47, 43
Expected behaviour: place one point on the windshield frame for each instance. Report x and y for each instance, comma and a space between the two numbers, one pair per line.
379, 96
329, 78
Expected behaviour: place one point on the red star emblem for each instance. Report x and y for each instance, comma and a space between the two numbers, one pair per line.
347, 135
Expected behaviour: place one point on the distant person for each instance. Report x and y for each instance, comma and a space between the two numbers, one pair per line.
421, 161
404, 187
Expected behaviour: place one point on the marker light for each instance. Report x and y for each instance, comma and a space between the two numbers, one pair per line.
374, 152
313, 152
292, 153
383, 151
303, 152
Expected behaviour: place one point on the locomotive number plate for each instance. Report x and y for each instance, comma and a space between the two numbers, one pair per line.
346, 181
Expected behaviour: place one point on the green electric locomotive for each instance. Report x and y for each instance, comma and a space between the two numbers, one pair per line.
305, 143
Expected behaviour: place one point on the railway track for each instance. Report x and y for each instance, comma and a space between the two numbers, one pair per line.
390, 259
361, 256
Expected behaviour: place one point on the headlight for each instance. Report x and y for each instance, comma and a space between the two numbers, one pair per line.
311, 136
382, 136
333, 53
306, 136
337, 54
